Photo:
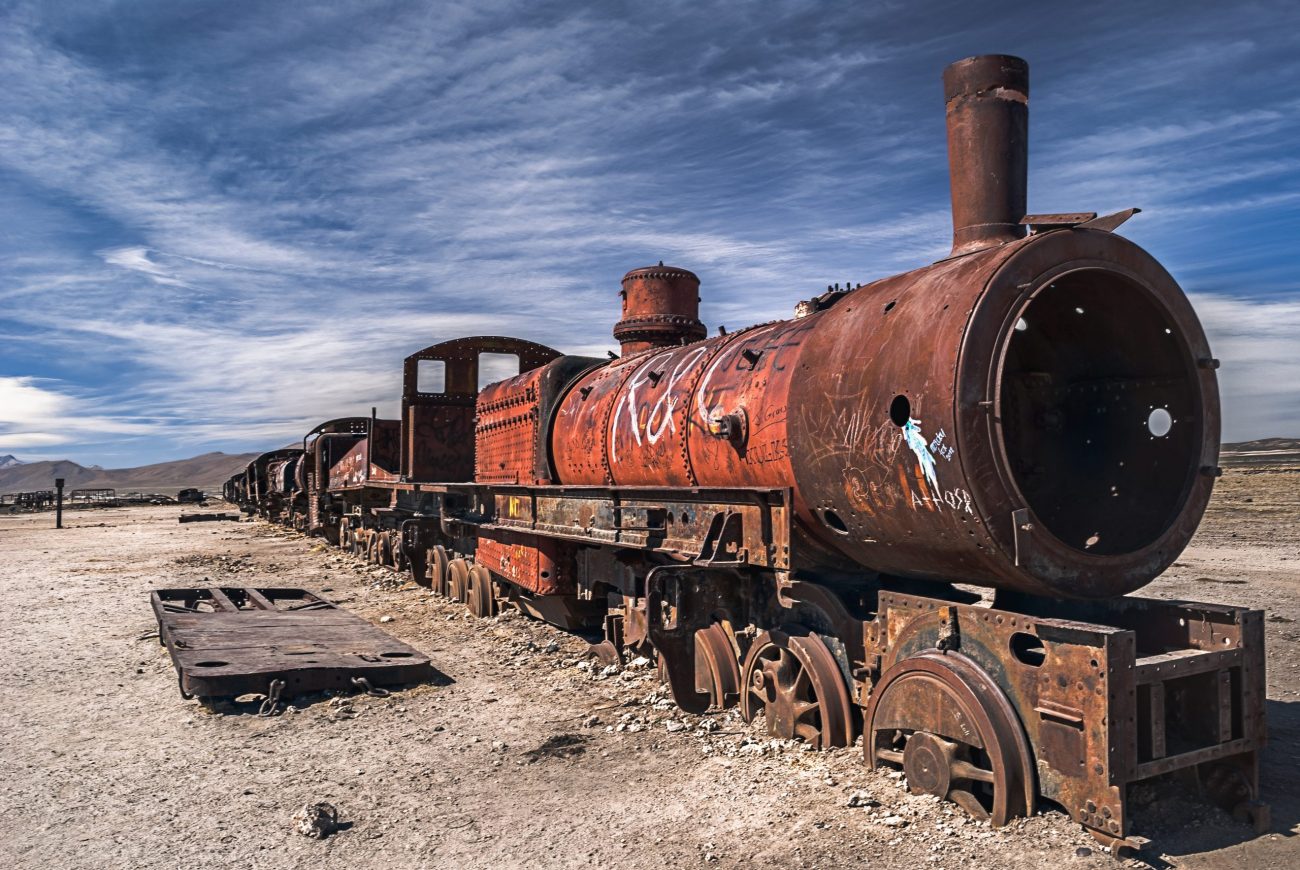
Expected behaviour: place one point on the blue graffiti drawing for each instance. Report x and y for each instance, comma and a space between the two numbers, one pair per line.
915, 440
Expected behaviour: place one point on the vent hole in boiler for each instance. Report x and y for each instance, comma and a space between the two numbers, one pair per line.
1077, 401
900, 410
1028, 649
834, 522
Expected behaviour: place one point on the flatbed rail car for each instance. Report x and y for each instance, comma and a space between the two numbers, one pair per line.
791, 517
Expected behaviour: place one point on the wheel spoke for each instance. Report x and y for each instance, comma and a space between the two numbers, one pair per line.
893, 756
802, 708
808, 733
966, 770
796, 669
802, 684
969, 803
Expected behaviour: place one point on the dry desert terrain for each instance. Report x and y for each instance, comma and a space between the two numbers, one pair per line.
522, 754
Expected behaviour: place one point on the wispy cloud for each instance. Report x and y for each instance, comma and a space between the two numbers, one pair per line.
224, 223
35, 414
1258, 343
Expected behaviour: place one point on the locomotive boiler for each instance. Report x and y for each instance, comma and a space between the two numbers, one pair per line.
1037, 411
913, 512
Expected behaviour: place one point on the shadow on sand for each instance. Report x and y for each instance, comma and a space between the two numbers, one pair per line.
1191, 832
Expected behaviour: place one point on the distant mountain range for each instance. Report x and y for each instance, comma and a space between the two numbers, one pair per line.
1261, 450
207, 472
210, 470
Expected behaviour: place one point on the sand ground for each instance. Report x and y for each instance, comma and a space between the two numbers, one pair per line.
516, 758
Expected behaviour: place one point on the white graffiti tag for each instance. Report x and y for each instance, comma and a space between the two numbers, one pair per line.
955, 499
660, 417
703, 407
939, 448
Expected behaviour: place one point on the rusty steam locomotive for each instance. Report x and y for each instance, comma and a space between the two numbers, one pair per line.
913, 512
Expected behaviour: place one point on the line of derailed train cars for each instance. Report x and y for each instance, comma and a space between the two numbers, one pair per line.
914, 512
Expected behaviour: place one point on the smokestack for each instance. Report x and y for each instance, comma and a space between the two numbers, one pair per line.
988, 149
661, 308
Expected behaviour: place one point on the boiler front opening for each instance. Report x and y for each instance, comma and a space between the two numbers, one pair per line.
1100, 412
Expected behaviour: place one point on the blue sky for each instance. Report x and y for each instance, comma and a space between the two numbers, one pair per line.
225, 221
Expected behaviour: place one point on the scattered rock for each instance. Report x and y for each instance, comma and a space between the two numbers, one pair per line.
894, 821
385, 619
1083, 852
558, 746
674, 726
591, 721
552, 647
861, 799
317, 820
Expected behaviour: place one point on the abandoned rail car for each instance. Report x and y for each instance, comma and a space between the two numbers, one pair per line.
792, 517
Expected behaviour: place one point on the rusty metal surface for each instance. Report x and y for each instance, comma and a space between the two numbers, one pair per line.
384, 450
437, 434
987, 100
750, 527
794, 680
511, 420
373, 458
661, 308
916, 420
507, 429
761, 510
991, 418
230, 641
352, 469
1147, 688
258, 474
543, 566
713, 413
943, 719
322, 447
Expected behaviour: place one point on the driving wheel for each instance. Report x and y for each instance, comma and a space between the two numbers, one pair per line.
458, 579
438, 569
481, 596
717, 670
792, 678
942, 719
